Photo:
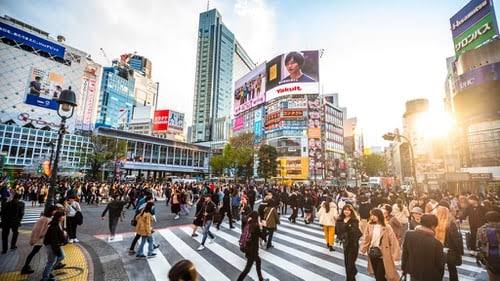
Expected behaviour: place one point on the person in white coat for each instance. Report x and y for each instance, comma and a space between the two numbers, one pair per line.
328, 215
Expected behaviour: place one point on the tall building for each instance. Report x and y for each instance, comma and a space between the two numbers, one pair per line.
412, 124
141, 64
219, 57
34, 69
117, 96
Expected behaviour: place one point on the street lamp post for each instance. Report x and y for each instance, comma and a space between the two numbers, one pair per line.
396, 136
51, 144
67, 104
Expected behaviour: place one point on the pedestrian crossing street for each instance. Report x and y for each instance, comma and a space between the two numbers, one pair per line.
299, 253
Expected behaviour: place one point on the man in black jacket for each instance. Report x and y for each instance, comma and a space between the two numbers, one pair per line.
293, 200
226, 209
115, 208
12, 214
423, 256
476, 214
54, 239
208, 211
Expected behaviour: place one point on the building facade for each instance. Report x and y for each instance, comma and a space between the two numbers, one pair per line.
219, 57
116, 100
29, 56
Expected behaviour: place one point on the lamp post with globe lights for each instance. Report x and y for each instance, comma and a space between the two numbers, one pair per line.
67, 104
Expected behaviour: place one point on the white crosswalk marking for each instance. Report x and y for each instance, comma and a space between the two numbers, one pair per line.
159, 266
31, 215
281, 262
202, 265
299, 253
230, 257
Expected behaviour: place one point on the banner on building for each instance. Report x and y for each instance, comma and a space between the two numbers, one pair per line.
250, 90
44, 88
296, 72
160, 121
314, 136
175, 121
88, 99
239, 123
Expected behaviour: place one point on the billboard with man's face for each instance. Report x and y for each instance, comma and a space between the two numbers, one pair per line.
250, 90
296, 72
44, 88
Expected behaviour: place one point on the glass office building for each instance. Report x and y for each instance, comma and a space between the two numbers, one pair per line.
218, 54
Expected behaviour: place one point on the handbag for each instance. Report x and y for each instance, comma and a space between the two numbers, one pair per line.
264, 222
375, 252
78, 216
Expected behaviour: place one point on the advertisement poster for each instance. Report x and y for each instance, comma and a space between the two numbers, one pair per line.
314, 136
239, 123
160, 121
88, 99
250, 90
44, 88
476, 35
296, 72
293, 167
468, 16
176, 121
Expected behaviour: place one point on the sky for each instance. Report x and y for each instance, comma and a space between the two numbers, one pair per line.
377, 54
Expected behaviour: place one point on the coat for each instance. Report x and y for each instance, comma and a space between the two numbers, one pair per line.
144, 225
423, 256
55, 238
271, 217
390, 251
12, 213
39, 230
327, 219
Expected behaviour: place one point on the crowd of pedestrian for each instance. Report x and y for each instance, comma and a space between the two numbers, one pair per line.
420, 230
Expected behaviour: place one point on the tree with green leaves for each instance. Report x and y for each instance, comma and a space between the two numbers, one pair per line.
268, 163
242, 155
373, 165
104, 149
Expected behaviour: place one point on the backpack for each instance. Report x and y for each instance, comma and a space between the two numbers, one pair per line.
491, 258
245, 238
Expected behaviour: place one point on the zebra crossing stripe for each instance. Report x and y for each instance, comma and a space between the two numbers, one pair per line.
159, 266
330, 266
278, 261
202, 265
229, 256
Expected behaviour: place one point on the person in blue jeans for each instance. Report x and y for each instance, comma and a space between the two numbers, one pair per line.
54, 239
144, 228
208, 211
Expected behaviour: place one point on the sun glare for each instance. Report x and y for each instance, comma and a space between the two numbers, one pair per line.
435, 124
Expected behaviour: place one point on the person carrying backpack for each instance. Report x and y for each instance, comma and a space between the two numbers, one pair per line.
249, 244
488, 240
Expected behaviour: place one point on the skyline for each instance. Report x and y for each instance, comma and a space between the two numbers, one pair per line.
373, 65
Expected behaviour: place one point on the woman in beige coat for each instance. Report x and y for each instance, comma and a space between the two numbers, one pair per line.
379, 235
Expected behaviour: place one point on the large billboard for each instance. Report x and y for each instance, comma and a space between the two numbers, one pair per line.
168, 121
250, 90
296, 72
23, 37
160, 121
44, 88
473, 25
176, 121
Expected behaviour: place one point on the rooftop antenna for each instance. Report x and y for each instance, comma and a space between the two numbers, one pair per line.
208, 5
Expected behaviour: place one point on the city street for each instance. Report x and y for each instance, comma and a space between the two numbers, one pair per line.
299, 251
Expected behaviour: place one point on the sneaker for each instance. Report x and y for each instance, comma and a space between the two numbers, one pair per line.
131, 252
212, 240
140, 256
152, 255
331, 249
70, 241
59, 266
201, 247
194, 235
76, 240
156, 246
27, 270
176, 217
231, 227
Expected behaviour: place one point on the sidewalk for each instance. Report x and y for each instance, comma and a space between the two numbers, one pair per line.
79, 265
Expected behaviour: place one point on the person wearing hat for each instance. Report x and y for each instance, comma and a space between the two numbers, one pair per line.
415, 216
